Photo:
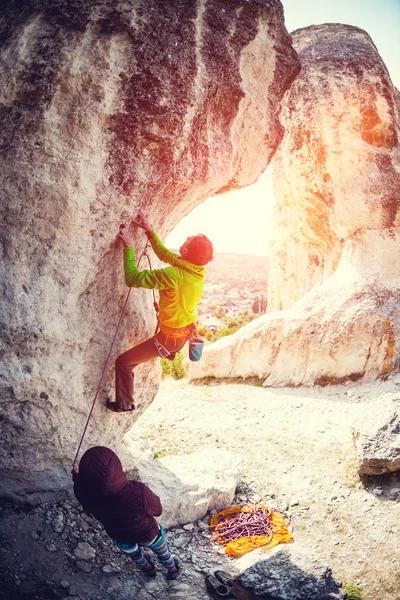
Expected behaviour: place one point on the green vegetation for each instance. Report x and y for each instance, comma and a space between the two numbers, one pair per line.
351, 477
231, 324
173, 368
353, 592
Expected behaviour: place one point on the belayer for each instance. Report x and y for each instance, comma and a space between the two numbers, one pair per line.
126, 509
180, 287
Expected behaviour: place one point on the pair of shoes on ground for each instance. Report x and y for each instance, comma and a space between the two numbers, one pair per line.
113, 406
220, 584
170, 574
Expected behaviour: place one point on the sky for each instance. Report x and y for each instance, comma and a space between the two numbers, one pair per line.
245, 213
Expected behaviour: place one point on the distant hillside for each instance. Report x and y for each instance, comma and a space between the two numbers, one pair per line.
225, 261
229, 261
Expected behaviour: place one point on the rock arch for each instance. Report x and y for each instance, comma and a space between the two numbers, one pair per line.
335, 231
108, 107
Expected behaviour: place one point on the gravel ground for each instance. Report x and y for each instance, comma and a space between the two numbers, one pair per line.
298, 456
299, 453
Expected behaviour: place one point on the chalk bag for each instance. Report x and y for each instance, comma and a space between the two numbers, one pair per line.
196, 346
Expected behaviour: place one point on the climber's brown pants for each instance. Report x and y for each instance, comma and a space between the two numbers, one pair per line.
126, 362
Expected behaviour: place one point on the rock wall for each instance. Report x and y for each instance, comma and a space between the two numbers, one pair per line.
109, 106
334, 266
336, 171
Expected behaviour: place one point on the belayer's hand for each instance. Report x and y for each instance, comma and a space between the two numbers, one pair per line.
125, 238
142, 221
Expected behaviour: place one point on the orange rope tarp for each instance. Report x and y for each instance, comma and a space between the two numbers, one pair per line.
242, 545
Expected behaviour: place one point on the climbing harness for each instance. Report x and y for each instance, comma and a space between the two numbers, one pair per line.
144, 253
163, 352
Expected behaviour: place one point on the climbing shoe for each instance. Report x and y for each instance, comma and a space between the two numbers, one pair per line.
150, 572
174, 574
113, 406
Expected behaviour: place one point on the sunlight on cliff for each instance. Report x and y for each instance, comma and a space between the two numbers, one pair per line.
235, 222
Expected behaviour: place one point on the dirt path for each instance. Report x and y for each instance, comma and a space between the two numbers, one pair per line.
298, 455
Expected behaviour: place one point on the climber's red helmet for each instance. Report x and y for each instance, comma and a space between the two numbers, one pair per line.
197, 249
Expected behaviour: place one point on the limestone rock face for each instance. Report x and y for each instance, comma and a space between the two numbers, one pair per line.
191, 485
334, 267
346, 328
107, 107
337, 169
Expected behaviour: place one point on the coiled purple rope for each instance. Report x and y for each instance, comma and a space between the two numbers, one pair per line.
244, 524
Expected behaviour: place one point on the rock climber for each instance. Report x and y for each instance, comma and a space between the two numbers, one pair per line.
180, 287
125, 508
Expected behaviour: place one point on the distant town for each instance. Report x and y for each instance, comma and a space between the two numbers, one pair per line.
235, 292
235, 286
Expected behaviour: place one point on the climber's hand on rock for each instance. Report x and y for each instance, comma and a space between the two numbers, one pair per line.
142, 221
125, 238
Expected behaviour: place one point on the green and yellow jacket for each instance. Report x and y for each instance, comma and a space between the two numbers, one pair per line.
180, 285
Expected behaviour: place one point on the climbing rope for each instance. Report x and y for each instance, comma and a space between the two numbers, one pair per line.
241, 529
155, 303
252, 522
144, 253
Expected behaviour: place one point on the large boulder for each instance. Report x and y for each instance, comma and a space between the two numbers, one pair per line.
191, 485
348, 328
110, 106
377, 438
290, 574
336, 172
334, 267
